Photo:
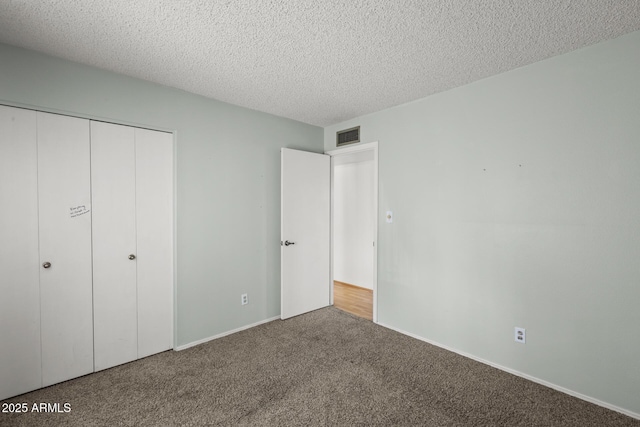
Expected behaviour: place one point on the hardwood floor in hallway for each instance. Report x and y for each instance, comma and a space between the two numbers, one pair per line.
353, 299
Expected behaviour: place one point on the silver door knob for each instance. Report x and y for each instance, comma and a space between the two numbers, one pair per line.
46, 265
287, 243
132, 256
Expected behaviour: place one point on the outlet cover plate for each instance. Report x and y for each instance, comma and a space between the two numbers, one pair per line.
520, 335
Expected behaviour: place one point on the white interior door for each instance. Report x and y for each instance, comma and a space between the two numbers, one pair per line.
113, 193
65, 247
154, 207
305, 232
20, 369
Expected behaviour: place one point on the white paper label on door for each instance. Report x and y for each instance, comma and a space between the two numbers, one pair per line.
79, 210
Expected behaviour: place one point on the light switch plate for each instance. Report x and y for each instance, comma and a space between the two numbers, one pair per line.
389, 216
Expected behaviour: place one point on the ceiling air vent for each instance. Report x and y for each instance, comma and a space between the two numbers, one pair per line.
348, 136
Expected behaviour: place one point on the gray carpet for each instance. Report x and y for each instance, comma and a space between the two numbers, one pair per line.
323, 368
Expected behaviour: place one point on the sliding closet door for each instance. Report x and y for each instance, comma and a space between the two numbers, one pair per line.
154, 203
65, 247
113, 182
19, 273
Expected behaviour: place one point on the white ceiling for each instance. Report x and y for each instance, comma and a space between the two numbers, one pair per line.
316, 61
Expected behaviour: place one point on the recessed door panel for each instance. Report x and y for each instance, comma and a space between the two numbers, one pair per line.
20, 369
154, 202
113, 184
65, 247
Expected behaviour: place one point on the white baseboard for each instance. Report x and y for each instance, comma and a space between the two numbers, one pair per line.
520, 374
224, 334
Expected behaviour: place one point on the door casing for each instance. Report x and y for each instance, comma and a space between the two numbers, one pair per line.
370, 146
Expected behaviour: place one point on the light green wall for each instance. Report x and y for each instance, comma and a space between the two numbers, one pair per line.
228, 180
516, 202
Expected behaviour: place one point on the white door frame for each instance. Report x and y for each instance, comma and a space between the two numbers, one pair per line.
373, 146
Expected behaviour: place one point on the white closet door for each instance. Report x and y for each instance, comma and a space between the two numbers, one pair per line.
65, 244
154, 203
113, 186
19, 272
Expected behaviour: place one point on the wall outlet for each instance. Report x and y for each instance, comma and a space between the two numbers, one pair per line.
244, 299
521, 335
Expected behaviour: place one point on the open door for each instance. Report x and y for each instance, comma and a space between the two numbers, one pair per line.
304, 232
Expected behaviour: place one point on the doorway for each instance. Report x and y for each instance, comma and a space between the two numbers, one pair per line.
354, 206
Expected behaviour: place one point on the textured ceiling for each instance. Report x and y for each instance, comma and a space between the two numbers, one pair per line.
316, 61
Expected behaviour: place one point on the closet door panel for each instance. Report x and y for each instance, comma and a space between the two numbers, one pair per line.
114, 241
20, 369
65, 243
154, 200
